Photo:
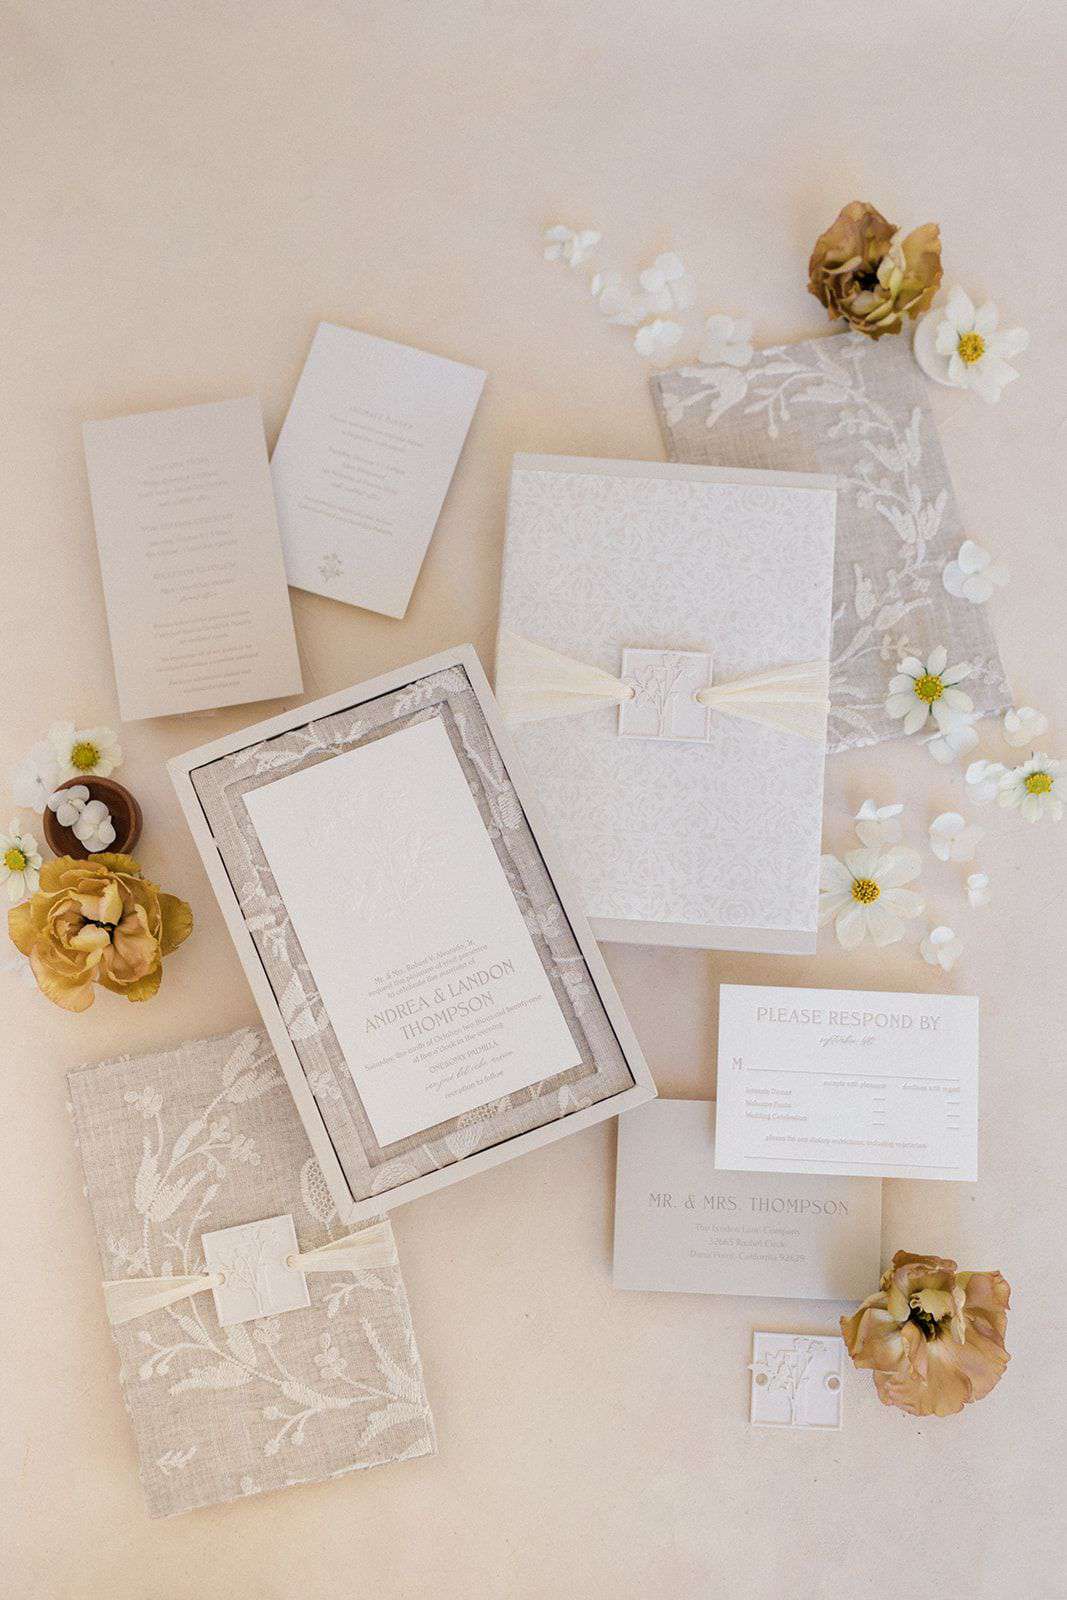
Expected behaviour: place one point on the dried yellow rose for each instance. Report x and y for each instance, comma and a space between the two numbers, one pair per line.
863, 270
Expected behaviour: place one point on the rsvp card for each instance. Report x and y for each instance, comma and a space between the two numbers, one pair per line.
194, 581
413, 935
682, 1226
845, 1081
363, 463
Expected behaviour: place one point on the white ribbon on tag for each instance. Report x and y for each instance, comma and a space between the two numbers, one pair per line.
126, 1299
534, 683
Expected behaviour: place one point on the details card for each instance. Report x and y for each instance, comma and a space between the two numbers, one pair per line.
363, 463
194, 581
682, 1226
413, 935
846, 1081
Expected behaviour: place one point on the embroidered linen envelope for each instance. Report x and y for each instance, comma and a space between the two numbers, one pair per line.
662, 658
846, 406
188, 1142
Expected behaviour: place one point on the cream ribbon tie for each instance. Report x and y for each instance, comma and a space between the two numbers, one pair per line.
128, 1298
534, 683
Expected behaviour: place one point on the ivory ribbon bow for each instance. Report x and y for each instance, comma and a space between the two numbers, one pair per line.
534, 683
128, 1298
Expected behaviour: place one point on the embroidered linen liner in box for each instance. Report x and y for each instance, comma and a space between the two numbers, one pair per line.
847, 406
369, 1168
203, 1137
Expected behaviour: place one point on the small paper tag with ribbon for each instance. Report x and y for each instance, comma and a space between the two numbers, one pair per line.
253, 1262
663, 705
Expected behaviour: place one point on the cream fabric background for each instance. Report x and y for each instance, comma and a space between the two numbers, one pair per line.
188, 187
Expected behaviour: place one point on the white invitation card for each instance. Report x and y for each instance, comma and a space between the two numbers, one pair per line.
363, 463
436, 994
684, 1227
847, 1081
194, 581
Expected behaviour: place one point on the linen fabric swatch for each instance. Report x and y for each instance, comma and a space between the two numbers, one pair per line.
847, 406
204, 1137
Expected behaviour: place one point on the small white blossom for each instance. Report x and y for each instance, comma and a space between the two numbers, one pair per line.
1024, 726
665, 283
617, 301
983, 780
942, 948
68, 804
727, 341
657, 339
955, 736
878, 825
564, 244
973, 353
20, 862
919, 690
85, 752
1036, 788
954, 839
978, 889
865, 897
974, 575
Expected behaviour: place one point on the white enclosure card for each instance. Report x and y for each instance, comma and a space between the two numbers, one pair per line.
363, 463
412, 933
684, 1227
194, 581
845, 1081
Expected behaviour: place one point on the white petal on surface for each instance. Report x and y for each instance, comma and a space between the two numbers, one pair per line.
851, 926
834, 876
897, 866
883, 923
915, 718
864, 863
937, 660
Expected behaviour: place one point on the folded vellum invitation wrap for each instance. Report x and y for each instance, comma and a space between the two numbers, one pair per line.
662, 661
203, 1138
858, 410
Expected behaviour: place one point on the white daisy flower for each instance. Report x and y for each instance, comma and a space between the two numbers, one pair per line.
94, 827
657, 338
979, 892
956, 734
1037, 788
665, 283
878, 825
983, 780
564, 244
1024, 726
20, 862
727, 341
974, 575
865, 897
35, 777
68, 804
978, 356
617, 301
83, 753
942, 948
952, 838
918, 692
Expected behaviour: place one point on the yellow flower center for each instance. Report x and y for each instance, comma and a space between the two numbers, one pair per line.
15, 859
1039, 783
865, 890
929, 688
84, 755
971, 348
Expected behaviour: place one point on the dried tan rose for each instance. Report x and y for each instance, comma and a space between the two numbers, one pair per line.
861, 269
933, 1336
97, 921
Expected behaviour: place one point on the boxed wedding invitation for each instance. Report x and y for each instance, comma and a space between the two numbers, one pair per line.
435, 996
241, 1370
847, 1081
682, 1226
194, 580
363, 464
662, 661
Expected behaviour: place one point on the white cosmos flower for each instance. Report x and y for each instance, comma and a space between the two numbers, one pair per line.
878, 825
978, 356
983, 779
94, 827
1037, 788
657, 338
954, 839
665, 283
1024, 726
942, 948
20, 862
617, 300
68, 804
85, 752
35, 776
564, 244
955, 735
727, 341
978, 890
865, 897
920, 691
974, 575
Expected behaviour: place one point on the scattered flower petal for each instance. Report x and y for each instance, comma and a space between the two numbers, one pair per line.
1036, 789
617, 300
727, 341
657, 338
665, 283
942, 948
1024, 726
974, 575
564, 244
983, 779
955, 736
878, 825
979, 892
952, 838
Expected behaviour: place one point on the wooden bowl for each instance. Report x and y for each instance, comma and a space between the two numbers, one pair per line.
126, 819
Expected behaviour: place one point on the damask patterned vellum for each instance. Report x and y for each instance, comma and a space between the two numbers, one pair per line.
673, 582
858, 410
207, 1137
